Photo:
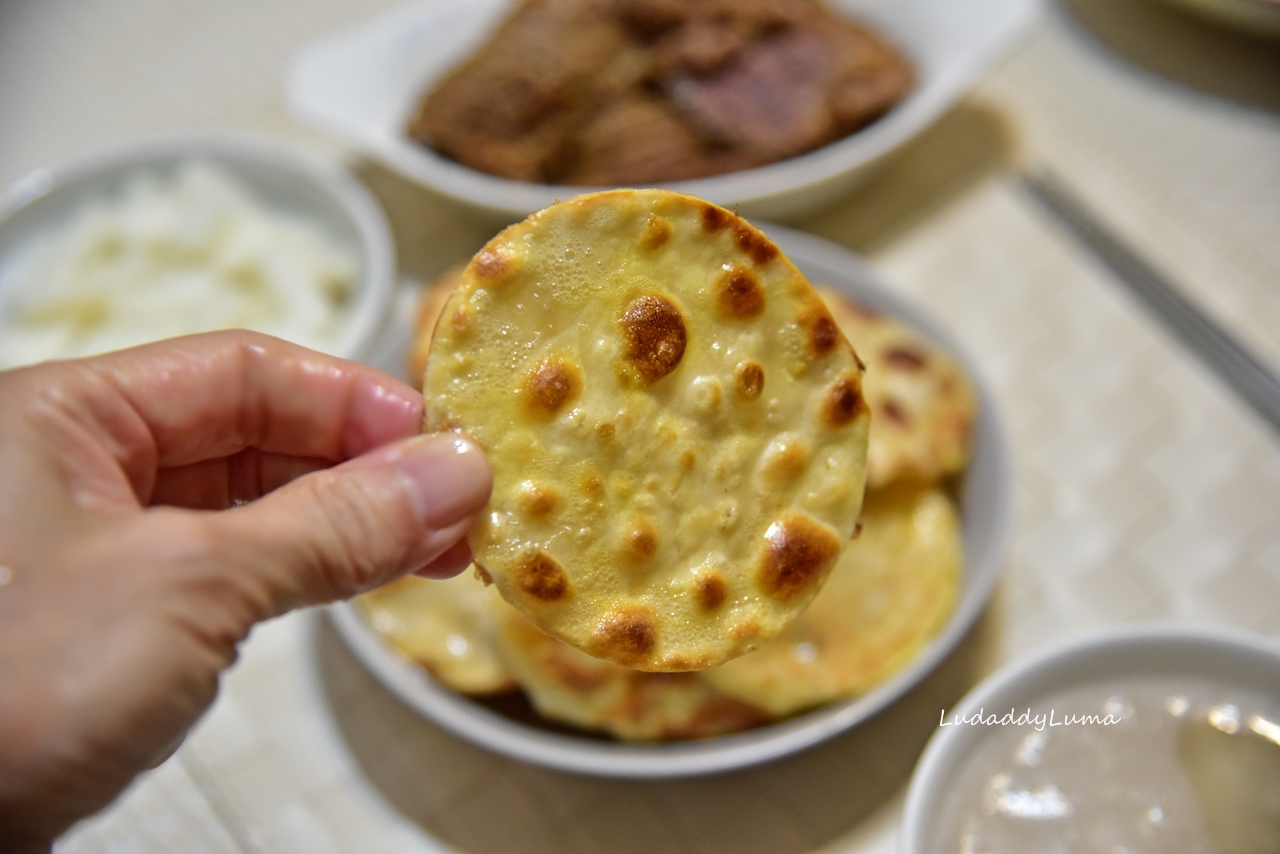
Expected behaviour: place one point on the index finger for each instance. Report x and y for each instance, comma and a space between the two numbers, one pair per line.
208, 396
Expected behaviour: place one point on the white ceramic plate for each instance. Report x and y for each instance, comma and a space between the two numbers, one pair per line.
1228, 656
282, 177
985, 497
362, 85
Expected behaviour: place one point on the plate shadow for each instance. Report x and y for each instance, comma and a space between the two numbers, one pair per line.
481, 803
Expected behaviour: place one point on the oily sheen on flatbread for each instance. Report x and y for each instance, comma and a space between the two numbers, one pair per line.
447, 626
567, 685
675, 423
921, 401
892, 591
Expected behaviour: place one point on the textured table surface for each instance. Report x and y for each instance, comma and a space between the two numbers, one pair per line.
1144, 490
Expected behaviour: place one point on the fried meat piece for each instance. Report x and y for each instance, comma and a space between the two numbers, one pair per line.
616, 92
509, 109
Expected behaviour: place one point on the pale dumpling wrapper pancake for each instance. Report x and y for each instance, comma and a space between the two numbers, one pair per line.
675, 424
448, 626
567, 685
892, 591
922, 404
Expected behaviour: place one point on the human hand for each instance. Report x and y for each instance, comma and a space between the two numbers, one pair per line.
123, 594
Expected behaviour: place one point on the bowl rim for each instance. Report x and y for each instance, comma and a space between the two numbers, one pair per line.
374, 240
1172, 645
487, 728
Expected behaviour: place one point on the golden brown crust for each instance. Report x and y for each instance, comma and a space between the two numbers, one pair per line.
656, 336
905, 358
922, 402
738, 294
650, 411
711, 591
641, 541
552, 384
843, 401
493, 265
821, 333
538, 499
625, 634
750, 378
566, 685
785, 459
657, 231
798, 551
753, 242
889, 594
715, 218
542, 578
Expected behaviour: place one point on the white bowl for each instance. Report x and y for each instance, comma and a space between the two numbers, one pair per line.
363, 85
280, 176
1228, 656
985, 504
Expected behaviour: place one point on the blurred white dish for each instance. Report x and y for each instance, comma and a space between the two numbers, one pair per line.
985, 506
300, 187
363, 84
1237, 660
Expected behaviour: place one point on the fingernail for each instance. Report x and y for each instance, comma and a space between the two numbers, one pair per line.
447, 477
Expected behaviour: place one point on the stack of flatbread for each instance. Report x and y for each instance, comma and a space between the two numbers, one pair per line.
621, 625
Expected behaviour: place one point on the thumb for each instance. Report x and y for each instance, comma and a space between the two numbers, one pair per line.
341, 531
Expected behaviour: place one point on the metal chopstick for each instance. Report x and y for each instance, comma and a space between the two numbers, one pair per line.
1234, 365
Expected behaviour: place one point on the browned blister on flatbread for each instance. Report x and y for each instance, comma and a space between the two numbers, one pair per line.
675, 422
570, 686
892, 591
922, 405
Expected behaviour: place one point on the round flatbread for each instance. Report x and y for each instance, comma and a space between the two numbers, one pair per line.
921, 402
893, 590
447, 626
567, 685
675, 423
